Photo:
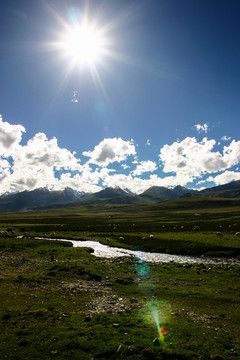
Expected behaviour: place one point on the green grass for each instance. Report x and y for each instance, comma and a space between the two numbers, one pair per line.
82, 307
171, 226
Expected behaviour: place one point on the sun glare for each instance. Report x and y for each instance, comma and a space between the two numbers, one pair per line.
83, 45
84, 42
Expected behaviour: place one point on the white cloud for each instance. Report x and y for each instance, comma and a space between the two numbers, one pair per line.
193, 158
232, 154
34, 164
42, 162
201, 182
86, 182
225, 138
4, 172
4, 164
10, 137
110, 150
135, 161
124, 166
138, 185
40, 153
145, 166
201, 128
225, 177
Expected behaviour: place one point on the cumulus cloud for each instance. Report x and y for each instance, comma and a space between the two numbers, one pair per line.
201, 128
4, 170
42, 153
110, 150
34, 164
225, 177
145, 166
195, 158
10, 137
86, 181
43, 163
138, 185
4, 164
232, 154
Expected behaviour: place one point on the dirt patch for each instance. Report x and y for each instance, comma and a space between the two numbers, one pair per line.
87, 285
199, 317
103, 298
108, 303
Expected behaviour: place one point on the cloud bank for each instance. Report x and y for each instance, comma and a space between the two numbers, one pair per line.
41, 162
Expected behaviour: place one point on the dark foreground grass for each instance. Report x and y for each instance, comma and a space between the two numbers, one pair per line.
82, 307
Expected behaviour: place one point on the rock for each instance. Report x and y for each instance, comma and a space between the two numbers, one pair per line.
134, 300
119, 348
54, 352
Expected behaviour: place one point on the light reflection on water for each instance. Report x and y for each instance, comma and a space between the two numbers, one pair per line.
106, 251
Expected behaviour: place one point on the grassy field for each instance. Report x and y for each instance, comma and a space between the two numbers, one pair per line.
171, 223
62, 302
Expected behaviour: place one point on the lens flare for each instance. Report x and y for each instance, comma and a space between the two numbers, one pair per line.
142, 268
153, 306
157, 311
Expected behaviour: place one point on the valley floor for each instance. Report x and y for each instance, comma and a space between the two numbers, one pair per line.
62, 302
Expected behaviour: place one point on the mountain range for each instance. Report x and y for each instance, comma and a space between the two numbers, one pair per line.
48, 199
27, 200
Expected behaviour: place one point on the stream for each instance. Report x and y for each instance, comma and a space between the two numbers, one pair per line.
106, 251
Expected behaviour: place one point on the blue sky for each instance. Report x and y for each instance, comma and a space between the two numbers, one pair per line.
157, 103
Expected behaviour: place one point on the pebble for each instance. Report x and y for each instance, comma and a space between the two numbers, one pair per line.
54, 352
119, 348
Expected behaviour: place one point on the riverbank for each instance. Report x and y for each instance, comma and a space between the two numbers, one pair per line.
109, 252
59, 301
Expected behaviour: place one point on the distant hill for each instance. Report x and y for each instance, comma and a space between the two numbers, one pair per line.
43, 198
107, 193
181, 191
110, 195
194, 203
160, 193
27, 200
118, 196
234, 185
229, 190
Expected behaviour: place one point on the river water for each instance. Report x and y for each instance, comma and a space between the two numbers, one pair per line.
106, 251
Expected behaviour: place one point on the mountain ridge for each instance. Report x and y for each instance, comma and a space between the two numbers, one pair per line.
44, 198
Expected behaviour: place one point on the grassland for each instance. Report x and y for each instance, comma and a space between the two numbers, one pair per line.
82, 307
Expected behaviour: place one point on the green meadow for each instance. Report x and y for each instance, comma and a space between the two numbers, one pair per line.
62, 302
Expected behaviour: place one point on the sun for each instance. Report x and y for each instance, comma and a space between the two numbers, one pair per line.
83, 44
86, 43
